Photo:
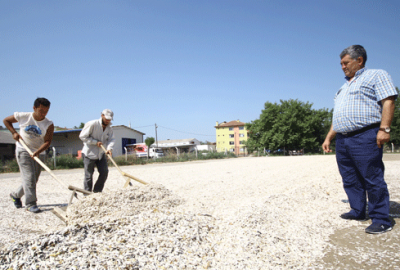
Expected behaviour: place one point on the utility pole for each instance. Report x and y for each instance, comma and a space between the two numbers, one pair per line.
156, 134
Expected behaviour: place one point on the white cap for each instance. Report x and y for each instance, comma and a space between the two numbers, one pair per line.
108, 114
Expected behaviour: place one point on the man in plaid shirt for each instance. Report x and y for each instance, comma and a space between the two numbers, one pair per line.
363, 113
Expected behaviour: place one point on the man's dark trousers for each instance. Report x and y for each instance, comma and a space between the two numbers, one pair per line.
102, 168
362, 170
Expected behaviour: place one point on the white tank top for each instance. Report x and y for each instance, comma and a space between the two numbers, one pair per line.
31, 131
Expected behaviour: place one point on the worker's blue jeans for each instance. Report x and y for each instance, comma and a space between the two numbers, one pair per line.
360, 164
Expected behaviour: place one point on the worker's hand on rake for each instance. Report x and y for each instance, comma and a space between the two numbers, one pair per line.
35, 154
109, 152
16, 136
32, 155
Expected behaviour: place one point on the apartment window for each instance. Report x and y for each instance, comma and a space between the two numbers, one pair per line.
231, 128
241, 149
241, 142
241, 128
231, 143
231, 136
241, 135
232, 150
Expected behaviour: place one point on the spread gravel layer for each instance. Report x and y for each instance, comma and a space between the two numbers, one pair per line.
248, 213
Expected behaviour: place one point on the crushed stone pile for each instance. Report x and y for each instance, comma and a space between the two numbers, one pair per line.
122, 203
130, 229
148, 227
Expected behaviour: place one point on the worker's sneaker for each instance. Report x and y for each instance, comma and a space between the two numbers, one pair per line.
33, 209
377, 228
17, 201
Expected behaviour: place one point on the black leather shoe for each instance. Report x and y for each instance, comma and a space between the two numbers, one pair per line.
352, 217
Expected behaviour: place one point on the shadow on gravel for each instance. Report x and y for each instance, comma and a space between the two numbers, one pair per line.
394, 209
352, 248
54, 205
49, 207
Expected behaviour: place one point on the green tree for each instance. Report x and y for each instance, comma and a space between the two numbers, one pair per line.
290, 125
149, 141
395, 127
80, 126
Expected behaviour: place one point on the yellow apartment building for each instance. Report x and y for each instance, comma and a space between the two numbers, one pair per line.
231, 137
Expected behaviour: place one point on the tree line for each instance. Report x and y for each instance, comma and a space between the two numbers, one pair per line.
295, 125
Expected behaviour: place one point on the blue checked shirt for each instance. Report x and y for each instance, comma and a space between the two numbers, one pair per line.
357, 103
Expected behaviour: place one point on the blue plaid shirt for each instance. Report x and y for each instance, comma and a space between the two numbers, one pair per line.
357, 103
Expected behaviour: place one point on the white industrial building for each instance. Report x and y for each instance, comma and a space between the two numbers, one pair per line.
68, 142
7, 146
179, 146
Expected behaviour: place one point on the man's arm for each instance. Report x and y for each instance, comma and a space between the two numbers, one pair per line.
388, 105
8, 122
328, 139
86, 133
47, 141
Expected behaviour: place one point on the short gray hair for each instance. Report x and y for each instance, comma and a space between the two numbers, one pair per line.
355, 51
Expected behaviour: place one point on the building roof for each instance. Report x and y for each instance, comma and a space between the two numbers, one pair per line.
79, 130
235, 123
66, 131
6, 138
123, 126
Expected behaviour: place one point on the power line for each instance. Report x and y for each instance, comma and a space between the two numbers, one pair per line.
144, 126
187, 132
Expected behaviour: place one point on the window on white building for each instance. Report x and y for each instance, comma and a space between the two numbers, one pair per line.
231, 143
231, 136
241, 135
241, 128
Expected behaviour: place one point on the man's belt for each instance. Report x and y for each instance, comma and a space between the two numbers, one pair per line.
352, 133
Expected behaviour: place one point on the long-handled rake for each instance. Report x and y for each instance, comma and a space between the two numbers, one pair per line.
59, 212
124, 174
74, 189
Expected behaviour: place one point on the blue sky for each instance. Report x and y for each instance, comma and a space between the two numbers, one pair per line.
184, 64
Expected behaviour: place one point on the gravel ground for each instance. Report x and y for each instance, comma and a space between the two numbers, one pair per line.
251, 213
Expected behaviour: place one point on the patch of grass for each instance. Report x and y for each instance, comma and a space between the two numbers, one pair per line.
10, 166
65, 162
131, 160
71, 162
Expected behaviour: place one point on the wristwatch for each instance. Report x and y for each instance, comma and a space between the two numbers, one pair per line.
386, 129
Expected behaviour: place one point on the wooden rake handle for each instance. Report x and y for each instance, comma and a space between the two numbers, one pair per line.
134, 178
41, 163
121, 172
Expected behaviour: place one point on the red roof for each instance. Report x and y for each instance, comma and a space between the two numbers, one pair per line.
235, 123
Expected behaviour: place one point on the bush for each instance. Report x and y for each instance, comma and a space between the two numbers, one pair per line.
71, 162
132, 160
10, 166
215, 155
65, 162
